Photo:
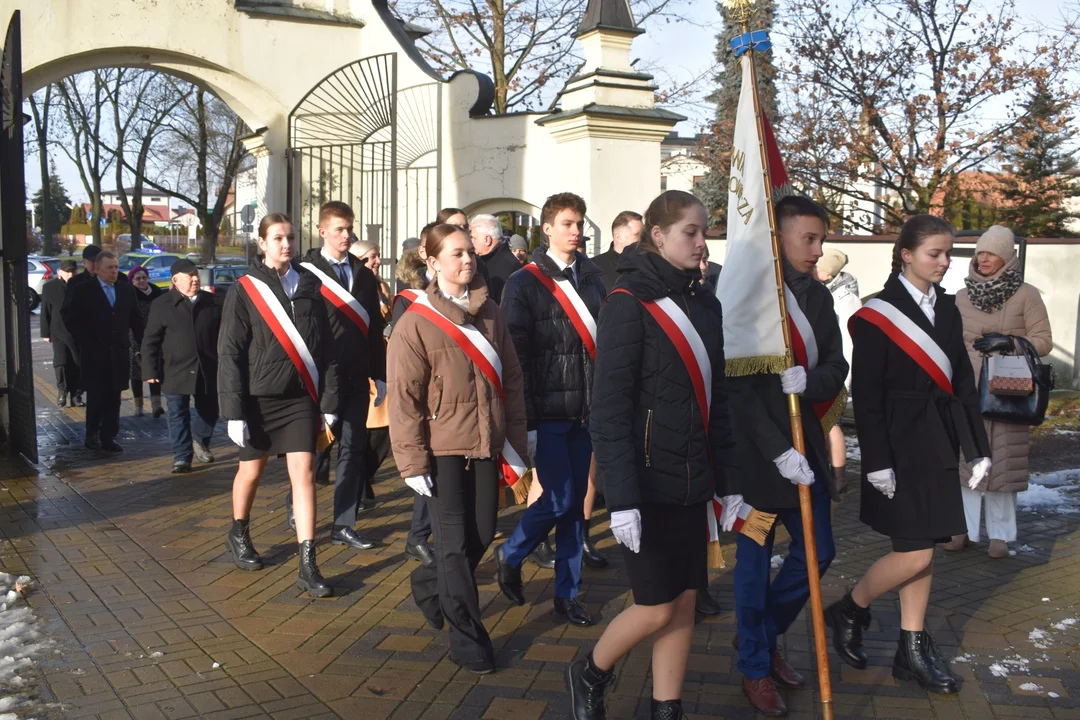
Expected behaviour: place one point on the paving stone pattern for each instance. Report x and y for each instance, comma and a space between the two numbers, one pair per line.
149, 619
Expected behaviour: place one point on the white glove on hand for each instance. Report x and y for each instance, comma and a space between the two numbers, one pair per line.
884, 481
420, 484
380, 392
732, 504
330, 419
532, 445
793, 380
626, 527
794, 467
979, 470
238, 432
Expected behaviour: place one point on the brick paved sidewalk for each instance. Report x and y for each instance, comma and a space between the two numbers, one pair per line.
150, 619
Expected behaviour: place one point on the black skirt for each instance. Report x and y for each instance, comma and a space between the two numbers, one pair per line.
280, 425
674, 552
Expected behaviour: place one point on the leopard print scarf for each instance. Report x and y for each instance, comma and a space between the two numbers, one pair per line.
989, 294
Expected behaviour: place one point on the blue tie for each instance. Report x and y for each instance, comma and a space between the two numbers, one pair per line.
110, 293
343, 278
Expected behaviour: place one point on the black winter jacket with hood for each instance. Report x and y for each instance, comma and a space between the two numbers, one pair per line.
647, 428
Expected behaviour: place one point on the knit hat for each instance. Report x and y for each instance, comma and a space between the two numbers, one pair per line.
832, 261
518, 243
998, 240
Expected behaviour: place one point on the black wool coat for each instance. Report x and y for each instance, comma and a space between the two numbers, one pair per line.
498, 266
905, 422
647, 428
103, 334
179, 347
557, 368
251, 362
608, 262
363, 358
762, 422
52, 321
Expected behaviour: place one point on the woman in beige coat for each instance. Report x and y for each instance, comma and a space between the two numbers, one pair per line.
996, 304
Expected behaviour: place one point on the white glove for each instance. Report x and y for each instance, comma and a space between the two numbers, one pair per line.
330, 419
884, 481
532, 445
794, 467
979, 470
793, 380
732, 504
420, 484
626, 527
238, 432
380, 392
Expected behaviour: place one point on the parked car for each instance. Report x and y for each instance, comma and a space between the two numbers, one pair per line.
156, 264
219, 278
39, 269
123, 243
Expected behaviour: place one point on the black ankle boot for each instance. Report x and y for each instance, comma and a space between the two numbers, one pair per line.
667, 710
935, 655
238, 543
587, 684
848, 622
589, 554
913, 662
310, 578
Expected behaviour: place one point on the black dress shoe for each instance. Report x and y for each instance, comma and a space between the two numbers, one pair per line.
589, 554
238, 543
366, 506
573, 611
543, 555
509, 578
61, 399
420, 553
92, 443
111, 446
913, 662
483, 667
181, 466
848, 622
344, 535
586, 684
706, 605
202, 452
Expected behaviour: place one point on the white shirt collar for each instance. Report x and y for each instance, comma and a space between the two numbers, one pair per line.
290, 281
462, 302
333, 262
561, 265
925, 301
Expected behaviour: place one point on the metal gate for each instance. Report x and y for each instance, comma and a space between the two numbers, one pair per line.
19, 388
356, 137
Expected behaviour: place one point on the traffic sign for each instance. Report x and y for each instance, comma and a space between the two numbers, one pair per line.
247, 214
247, 228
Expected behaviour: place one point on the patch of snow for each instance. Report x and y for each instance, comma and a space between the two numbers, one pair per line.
776, 562
1064, 624
1053, 695
216, 665
854, 452
1046, 599
20, 640
156, 654
962, 658
1056, 492
998, 670
1026, 549
1038, 638
1002, 668
1031, 687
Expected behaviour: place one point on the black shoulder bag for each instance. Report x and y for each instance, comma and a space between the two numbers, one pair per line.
1018, 409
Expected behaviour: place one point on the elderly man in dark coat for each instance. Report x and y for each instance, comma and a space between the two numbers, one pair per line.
179, 350
54, 332
99, 312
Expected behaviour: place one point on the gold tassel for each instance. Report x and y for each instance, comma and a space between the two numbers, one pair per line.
324, 439
716, 556
756, 365
758, 525
521, 488
835, 412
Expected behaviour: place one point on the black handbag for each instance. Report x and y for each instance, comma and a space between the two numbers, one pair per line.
1018, 409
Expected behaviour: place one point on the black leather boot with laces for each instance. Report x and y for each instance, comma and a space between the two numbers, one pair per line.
310, 578
238, 543
848, 622
667, 710
587, 685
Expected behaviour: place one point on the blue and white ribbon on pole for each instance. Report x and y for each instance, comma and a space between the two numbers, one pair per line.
758, 40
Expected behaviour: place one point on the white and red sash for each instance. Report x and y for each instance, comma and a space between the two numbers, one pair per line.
909, 337
483, 354
804, 347
341, 298
572, 304
281, 325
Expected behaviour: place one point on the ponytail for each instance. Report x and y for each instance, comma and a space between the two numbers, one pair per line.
913, 233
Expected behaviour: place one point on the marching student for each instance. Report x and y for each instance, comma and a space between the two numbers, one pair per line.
353, 291
278, 367
457, 414
771, 470
550, 306
915, 397
662, 433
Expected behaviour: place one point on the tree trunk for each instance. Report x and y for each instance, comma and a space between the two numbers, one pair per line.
41, 126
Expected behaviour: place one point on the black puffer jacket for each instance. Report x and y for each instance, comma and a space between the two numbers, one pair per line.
251, 362
558, 370
647, 428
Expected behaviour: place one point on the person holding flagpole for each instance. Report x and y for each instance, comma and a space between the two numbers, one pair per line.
457, 425
917, 407
278, 365
551, 307
661, 429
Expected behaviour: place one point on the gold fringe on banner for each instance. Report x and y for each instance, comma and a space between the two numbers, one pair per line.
755, 365
521, 489
835, 412
758, 525
716, 556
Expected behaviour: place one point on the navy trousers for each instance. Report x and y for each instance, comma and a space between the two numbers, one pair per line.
563, 456
766, 610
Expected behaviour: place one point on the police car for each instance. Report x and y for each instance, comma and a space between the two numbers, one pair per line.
157, 265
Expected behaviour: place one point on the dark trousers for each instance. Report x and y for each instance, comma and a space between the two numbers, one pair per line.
183, 426
420, 528
464, 504
351, 440
65, 367
102, 414
563, 456
766, 610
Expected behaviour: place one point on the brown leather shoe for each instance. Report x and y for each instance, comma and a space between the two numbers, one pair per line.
999, 549
785, 675
958, 543
764, 697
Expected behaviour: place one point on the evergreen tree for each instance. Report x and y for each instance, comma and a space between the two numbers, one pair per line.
59, 205
715, 151
1044, 165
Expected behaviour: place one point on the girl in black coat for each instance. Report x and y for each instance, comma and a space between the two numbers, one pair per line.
145, 293
262, 395
913, 413
658, 463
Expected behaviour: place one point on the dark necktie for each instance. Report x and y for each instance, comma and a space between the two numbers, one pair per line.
569, 274
343, 277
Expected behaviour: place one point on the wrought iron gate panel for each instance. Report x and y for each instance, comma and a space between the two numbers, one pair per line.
22, 421
357, 138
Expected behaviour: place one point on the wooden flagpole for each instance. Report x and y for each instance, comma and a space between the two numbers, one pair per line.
742, 9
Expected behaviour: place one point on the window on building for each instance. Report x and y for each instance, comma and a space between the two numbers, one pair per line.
663, 183
155, 199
